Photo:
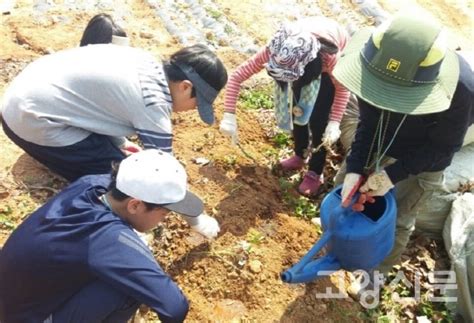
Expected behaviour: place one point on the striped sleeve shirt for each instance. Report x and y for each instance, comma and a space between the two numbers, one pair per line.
321, 27
116, 91
155, 132
252, 66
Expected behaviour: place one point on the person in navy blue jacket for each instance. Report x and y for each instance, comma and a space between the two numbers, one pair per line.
78, 258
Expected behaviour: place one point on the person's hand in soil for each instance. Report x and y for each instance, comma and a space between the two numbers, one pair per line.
331, 133
206, 225
228, 126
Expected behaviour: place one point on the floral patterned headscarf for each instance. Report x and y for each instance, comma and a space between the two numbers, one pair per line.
291, 49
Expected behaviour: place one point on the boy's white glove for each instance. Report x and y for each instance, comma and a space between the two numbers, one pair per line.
228, 126
378, 184
332, 133
206, 225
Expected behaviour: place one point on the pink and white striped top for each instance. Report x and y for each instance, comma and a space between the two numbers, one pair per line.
321, 27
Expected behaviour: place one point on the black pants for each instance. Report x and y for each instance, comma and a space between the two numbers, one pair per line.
93, 155
317, 124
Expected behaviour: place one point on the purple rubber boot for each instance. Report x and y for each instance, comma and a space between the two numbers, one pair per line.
293, 163
310, 184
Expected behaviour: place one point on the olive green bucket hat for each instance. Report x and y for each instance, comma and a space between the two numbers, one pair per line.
402, 66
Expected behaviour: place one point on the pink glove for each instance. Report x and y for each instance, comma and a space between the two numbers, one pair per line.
378, 184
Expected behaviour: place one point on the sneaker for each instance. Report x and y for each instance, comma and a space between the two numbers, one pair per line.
310, 184
292, 163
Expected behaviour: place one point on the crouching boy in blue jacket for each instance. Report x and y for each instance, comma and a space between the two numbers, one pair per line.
78, 259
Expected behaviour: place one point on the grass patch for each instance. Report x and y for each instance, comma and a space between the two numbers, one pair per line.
436, 312
390, 310
255, 237
5, 222
301, 206
282, 140
228, 29
256, 99
270, 153
214, 13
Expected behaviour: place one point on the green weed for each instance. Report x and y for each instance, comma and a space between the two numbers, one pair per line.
281, 140
436, 312
214, 13
305, 208
228, 29
270, 153
5, 221
255, 237
284, 186
256, 99
230, 160
302, 206
389, 308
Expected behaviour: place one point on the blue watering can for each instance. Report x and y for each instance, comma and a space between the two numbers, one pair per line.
355, 240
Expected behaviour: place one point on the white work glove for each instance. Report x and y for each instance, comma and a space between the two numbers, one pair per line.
350, 187
206, 225
229, 126
332, 133
378, 184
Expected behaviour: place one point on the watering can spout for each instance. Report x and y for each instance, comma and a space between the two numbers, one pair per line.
309, 268
314, 269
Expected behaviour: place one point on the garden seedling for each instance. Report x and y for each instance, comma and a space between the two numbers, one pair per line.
256, 99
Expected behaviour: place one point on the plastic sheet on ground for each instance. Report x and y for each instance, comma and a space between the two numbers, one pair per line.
372, 9
119, 9
192, 21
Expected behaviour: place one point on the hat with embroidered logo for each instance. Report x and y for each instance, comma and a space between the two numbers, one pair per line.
157, 177
402, 66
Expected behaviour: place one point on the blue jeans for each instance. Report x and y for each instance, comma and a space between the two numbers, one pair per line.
97, 302
93, 155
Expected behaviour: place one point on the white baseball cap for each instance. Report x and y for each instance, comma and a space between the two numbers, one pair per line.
157, 177
120, 40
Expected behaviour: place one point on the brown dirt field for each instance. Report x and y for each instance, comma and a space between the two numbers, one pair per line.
224, 282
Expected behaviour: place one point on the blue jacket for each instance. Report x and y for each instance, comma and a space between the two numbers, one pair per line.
68, 243
424, 143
